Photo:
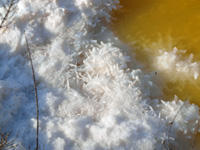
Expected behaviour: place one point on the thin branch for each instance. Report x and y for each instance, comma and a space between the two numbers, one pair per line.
194, 141
9, 12
195, 138
35, 88
172, 122
4, 6
5, 143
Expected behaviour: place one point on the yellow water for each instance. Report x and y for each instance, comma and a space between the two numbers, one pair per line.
156, 24
151, 25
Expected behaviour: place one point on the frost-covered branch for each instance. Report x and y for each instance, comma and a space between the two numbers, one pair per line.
9, 10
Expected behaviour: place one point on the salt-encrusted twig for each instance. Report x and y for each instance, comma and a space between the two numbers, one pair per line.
35, 88
9, 9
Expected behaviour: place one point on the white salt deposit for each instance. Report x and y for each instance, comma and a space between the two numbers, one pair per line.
89, 99
174, 64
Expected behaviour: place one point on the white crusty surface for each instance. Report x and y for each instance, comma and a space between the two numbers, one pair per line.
89, 98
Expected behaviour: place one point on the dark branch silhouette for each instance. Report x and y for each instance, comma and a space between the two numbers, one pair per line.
9, 11
35, 88
5, 142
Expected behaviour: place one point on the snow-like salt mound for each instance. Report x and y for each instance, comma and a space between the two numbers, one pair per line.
172, 63
89, 98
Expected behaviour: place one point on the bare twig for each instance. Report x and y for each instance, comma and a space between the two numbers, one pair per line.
5, 142
10, 10
172, 122
35, 88
195, 138
194, 141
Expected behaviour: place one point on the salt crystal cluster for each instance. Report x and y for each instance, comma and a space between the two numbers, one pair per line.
174, 64
89, 98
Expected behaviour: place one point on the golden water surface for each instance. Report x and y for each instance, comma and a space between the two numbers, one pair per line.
151, 25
